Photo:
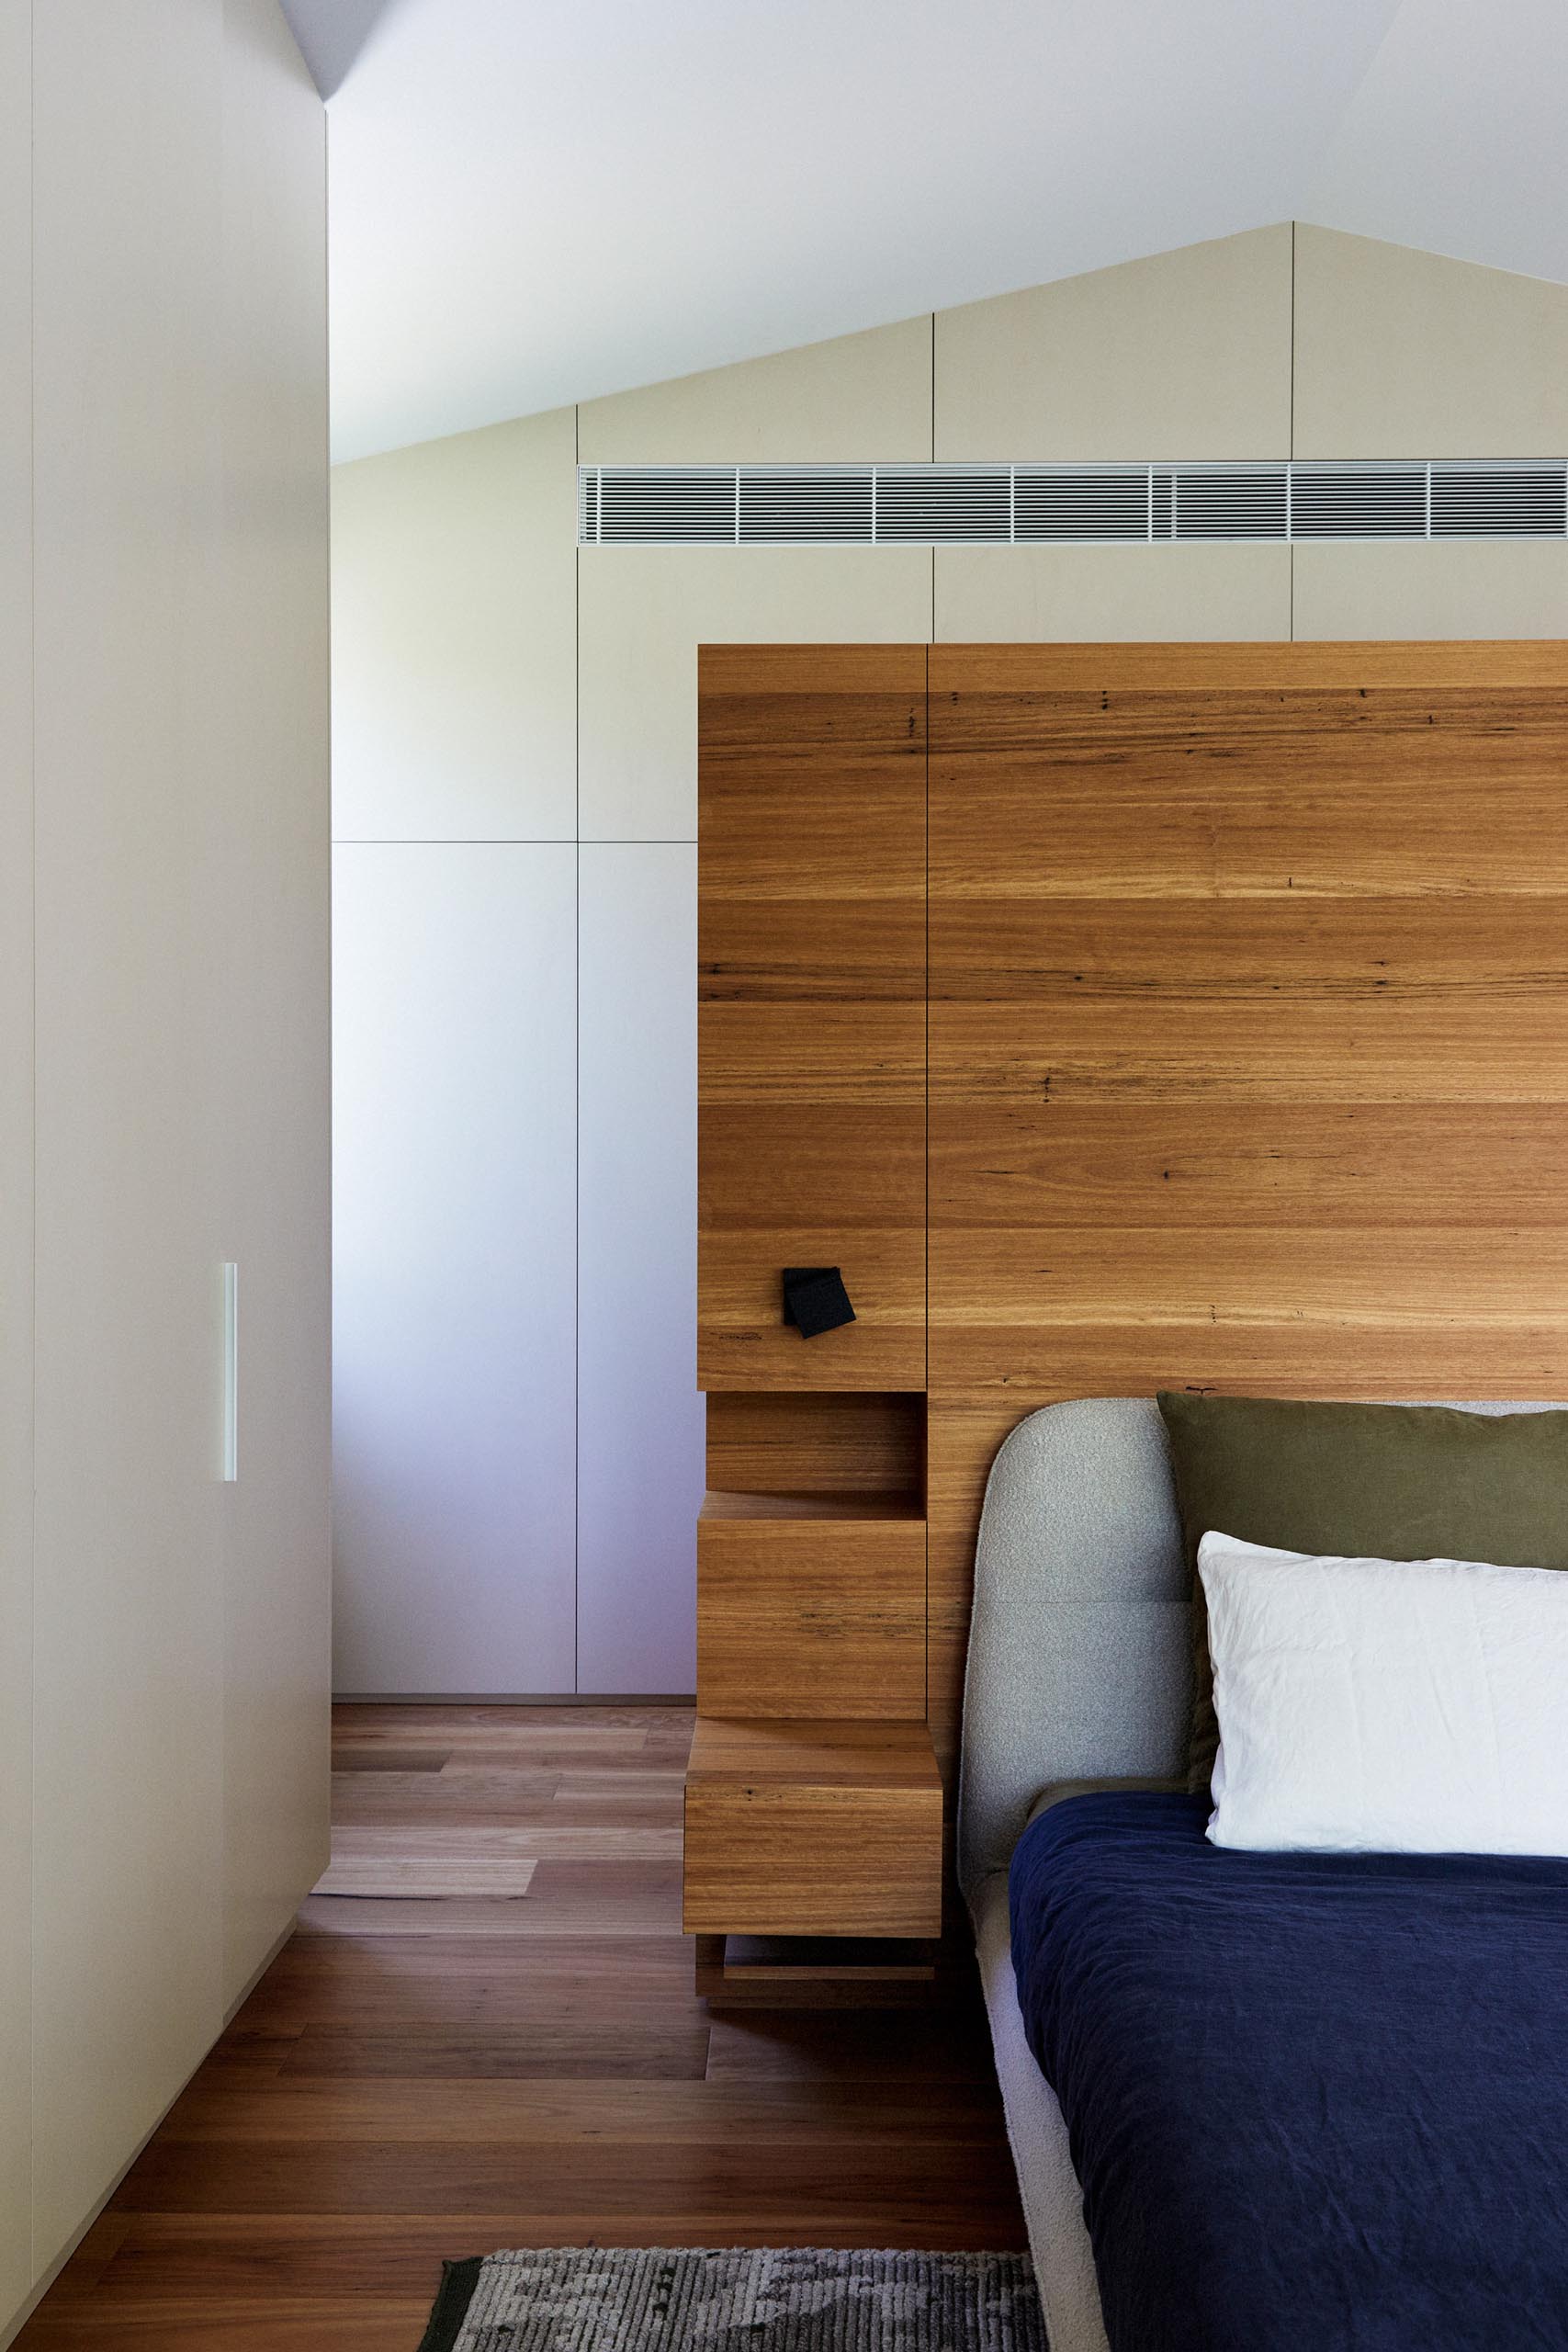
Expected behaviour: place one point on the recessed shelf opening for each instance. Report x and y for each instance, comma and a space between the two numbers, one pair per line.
827, 1453
719, 1504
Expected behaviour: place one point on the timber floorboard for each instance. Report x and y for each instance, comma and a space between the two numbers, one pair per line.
421, 2079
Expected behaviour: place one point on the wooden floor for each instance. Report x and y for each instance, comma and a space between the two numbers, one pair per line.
436, 2072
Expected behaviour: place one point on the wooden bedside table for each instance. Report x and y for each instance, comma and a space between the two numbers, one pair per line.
825, 1830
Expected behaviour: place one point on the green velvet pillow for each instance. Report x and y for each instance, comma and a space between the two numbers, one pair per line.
1387, 1482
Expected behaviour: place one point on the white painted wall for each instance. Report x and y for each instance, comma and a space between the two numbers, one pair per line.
162, 812
455, 574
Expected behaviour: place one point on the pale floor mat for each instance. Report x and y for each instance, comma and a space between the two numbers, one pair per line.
429, 1865
635, 1899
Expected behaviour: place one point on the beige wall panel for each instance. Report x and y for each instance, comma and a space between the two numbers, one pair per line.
1402, 353
639, 1418
453, 638
129, 1604
1489, 588
454, 1081
1038, 595
15, 1147
1187, 354
859, 396
268, 1042
644, 612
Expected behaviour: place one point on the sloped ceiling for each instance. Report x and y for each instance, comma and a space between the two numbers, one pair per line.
536, 201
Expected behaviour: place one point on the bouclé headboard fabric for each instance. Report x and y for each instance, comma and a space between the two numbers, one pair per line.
1079, 1648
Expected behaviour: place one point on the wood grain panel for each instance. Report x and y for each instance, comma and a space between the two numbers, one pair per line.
1037, 945
845, 1164
1003, 675
1079, 1307
1161, 774
743, 1342
1156, 1164
813, 1830
793, 780
839, 1755
813, 1860
811, 1616
1176, 1048
812, 1054
812, 913
1206, 811
821, 949
839, 1508
1248, 1037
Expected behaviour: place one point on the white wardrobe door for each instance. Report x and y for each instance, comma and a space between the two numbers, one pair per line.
15, 1145
129, 1633
641, 1429
268, 899
455, 1206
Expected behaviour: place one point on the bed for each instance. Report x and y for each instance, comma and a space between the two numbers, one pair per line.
1079, 1675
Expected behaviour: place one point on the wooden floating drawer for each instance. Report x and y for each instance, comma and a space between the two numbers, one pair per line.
810, 1608
812, 1828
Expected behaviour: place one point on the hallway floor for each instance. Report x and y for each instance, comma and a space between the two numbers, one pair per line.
435, 2074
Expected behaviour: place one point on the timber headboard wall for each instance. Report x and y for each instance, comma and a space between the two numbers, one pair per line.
1119, 1017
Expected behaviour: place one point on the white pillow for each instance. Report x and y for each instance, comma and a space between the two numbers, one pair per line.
1388, 1706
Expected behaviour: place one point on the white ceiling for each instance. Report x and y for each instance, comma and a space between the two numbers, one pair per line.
535, 201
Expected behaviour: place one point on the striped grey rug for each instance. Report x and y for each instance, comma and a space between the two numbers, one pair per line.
588, 2299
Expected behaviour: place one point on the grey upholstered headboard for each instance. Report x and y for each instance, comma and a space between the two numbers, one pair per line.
1079, 1643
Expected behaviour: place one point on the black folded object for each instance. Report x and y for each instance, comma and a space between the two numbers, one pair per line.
815, 1299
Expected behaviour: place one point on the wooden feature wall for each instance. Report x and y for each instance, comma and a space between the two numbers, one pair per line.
1248, 1051
1249, 1035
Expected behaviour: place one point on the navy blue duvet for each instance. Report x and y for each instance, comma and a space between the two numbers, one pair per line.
1317, 2103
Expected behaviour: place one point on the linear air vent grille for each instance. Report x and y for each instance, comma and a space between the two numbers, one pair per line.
1006, 505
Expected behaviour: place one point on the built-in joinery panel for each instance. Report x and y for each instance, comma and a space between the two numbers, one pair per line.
811, 1556
812, 1020
1247, 1059
811, 1605
813, 1805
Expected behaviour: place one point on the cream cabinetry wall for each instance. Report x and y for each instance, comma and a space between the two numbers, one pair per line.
1410, 355
639, 1438
164, 807
608, 1206
267, 899
16, 1154
644, 612
455, 1155
1187, 354
1284, 341
1041, 595
456, 639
